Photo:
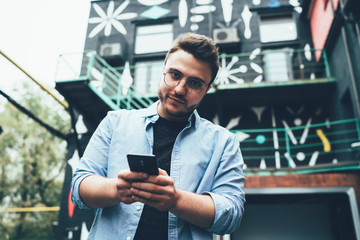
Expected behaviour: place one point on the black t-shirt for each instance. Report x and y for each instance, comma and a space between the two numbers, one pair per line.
153, 223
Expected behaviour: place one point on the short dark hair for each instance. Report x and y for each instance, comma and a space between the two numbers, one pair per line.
201, 47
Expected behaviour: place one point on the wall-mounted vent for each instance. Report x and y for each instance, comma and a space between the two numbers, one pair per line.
226, 35
110, 50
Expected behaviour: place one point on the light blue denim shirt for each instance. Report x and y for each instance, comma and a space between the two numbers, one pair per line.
206, 158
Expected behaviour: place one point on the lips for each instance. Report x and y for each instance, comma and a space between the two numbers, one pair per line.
177, 100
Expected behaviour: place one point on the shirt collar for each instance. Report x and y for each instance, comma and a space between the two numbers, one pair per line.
152, 114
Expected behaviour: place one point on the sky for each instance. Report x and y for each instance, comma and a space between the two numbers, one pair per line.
33, 33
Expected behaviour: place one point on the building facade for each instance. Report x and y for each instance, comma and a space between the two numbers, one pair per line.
287, 87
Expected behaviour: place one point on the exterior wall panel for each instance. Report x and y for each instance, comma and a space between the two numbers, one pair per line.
321, 20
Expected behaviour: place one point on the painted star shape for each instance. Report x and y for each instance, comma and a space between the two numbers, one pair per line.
110, 19
227, 73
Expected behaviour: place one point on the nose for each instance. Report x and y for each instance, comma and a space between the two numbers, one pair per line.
181, 87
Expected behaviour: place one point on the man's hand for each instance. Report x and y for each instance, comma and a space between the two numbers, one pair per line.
160, 193
98, 192
156, 191
124, 183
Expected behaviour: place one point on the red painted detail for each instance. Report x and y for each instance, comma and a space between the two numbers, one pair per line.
320, 21
71, 206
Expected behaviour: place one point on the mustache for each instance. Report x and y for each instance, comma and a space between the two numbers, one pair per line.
179, 96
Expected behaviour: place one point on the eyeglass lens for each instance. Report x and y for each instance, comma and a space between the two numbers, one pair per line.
173, 79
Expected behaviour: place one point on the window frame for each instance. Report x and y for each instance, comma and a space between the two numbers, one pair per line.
150, 82
275, 16
164, 48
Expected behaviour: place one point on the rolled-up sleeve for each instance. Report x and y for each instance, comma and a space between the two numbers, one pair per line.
227, 191
94, 160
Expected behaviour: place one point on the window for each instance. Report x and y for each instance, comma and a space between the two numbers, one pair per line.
278, 67
154, 38
279, 28
147, 76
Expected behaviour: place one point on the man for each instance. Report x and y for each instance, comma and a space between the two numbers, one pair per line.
199, 189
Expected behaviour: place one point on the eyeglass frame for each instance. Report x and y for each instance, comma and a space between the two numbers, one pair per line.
188, 88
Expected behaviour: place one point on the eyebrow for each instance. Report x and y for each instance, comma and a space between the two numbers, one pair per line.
194, 78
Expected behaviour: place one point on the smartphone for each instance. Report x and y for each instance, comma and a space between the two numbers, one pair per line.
143, 163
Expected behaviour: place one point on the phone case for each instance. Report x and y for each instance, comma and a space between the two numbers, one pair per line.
143, 163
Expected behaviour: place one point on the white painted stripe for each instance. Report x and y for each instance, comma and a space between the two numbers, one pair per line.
291, 161
277, 160
313, 158
289, 132
275, 136
306, 132
262, 164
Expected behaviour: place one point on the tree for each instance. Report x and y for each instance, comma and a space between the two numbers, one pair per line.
32, 163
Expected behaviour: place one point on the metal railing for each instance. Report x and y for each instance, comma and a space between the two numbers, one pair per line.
260, 69
273, 67
310, 147
104, 79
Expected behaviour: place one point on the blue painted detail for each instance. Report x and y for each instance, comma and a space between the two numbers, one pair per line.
155, 12
274, 4
260, 139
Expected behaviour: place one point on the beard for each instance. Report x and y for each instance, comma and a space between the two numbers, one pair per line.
174, 112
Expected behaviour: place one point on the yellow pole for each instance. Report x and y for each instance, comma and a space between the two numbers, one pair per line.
65, 105
31, 209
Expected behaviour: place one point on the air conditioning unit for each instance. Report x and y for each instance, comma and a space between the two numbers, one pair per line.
226, 35
110, 50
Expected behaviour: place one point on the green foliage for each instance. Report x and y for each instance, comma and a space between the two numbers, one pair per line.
32, 163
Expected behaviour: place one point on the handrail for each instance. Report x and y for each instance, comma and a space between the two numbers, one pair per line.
325, 138
279, 66
291, 66
107, 82
256, 69
65, 105
343, 121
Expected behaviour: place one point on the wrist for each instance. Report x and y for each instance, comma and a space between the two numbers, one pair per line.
176, 207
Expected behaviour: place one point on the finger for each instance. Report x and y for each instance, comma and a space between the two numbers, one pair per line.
128, 199
146, 186
153, 196
152, 185
121, 184
142, 200
128, 175
145, 190
163, 172
160, 180
124, 192
161, 205
125, 195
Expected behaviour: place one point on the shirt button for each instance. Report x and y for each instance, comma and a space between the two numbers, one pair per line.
138, 208
128, 238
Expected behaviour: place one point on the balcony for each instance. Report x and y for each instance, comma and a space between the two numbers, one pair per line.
244, 79
318, 147
94, 87
272, 76
256, 78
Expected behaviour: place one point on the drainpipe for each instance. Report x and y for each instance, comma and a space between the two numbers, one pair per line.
344, 6
211, 22
348, 57
357, 32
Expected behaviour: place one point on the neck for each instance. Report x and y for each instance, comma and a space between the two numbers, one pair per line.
182, 118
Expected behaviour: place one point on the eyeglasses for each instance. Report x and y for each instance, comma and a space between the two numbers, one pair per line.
193, 85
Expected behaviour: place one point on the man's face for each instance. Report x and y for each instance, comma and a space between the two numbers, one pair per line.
176, 103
